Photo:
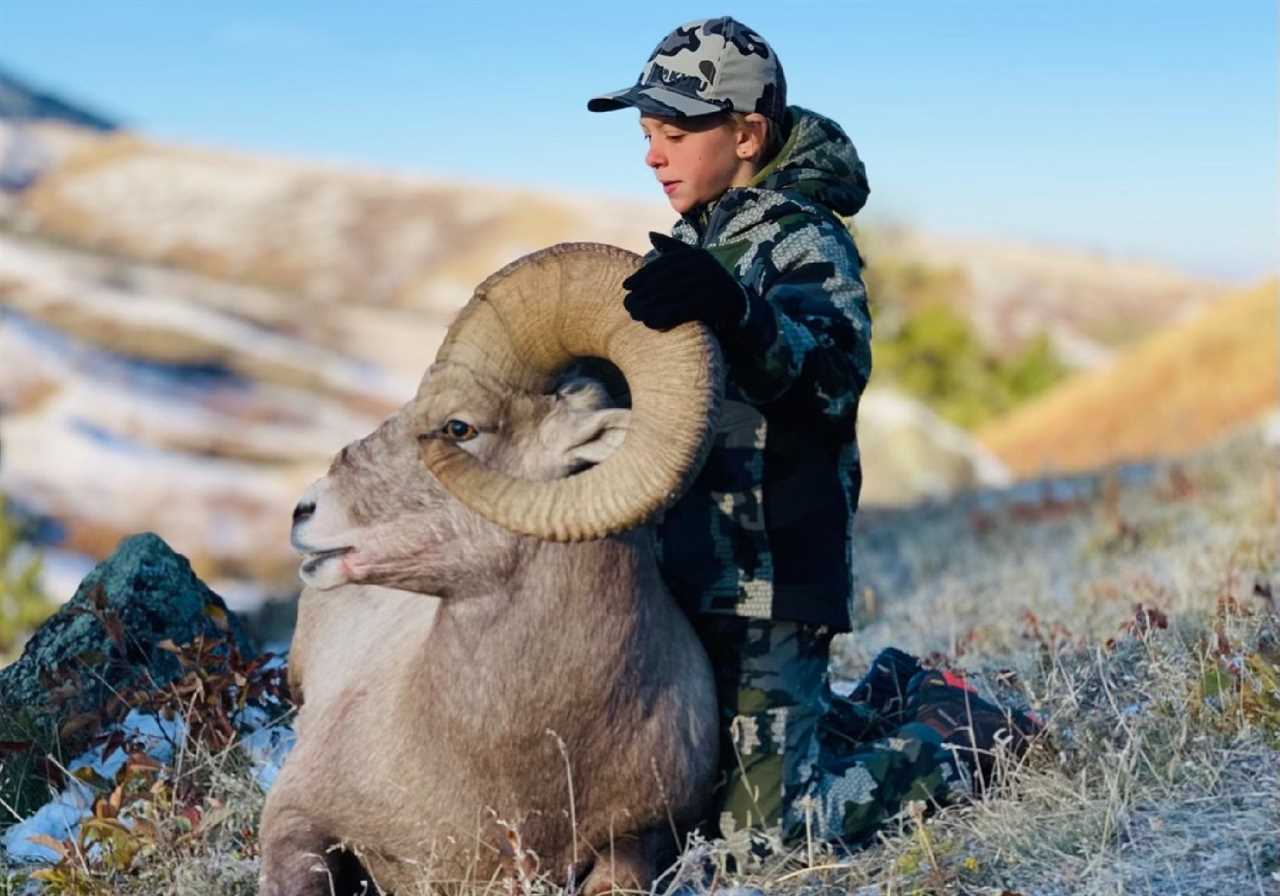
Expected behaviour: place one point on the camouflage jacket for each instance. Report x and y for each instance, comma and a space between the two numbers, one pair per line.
765, 529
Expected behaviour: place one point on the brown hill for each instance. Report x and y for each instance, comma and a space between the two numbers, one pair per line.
1174, 392
340, 236
187, 334
323, 234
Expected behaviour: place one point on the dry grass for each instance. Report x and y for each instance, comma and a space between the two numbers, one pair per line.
1170, 395
1147, 782
1160, 772
196, 833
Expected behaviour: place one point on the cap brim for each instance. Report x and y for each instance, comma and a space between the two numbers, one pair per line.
654, 100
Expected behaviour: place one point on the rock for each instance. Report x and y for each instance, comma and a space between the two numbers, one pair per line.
104, 641
909, 453
155, 596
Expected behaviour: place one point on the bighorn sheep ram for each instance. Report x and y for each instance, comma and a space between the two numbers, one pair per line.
549, 699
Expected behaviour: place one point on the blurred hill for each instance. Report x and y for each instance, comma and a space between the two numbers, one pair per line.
332, 235
1086, 304
325, 236
971, 328
37, 129
1178, 390
978, 328
21, 101
188, 334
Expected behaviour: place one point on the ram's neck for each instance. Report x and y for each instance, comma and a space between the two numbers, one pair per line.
580, 617
558, 588
610, 584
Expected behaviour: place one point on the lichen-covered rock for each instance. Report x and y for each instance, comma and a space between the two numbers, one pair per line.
105, 641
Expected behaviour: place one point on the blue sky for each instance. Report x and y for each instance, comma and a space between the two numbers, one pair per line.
1129, 128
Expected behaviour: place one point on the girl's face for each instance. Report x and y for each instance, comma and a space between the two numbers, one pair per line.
696, 160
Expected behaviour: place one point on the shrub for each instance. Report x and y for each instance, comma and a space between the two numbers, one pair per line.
927, 348
23, 606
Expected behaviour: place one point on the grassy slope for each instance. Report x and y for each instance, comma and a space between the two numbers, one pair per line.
1172, 394
1147, 781
1143, 785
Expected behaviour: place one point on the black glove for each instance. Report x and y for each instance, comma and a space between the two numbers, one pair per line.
683, 284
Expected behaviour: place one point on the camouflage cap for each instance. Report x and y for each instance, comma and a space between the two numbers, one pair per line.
711, 65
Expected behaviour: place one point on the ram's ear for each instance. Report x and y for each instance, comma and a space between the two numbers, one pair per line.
594, 436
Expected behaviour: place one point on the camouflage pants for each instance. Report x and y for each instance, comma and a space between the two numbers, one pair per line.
797, 756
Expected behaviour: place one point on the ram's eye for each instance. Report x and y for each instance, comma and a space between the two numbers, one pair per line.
460, 430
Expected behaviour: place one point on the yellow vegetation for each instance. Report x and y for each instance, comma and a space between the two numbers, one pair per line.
23, 606
1175, 392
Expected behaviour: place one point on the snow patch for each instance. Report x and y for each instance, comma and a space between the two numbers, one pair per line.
60, 817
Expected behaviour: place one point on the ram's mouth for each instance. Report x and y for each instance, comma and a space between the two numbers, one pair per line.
314, 559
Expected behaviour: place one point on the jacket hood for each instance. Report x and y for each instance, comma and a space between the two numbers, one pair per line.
819, 161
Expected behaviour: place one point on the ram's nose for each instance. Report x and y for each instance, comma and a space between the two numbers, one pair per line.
303, 511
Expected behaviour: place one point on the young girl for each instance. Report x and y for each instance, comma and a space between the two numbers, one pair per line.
759, 549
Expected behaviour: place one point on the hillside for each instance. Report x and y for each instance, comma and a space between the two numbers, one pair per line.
22, 101
1173, 393
321, 234
1086, 304
125, 385
37, 129
330, 234
196, 321
972, 328
1139, 621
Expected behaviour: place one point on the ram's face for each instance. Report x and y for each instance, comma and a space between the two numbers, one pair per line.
489, 426
379, 517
